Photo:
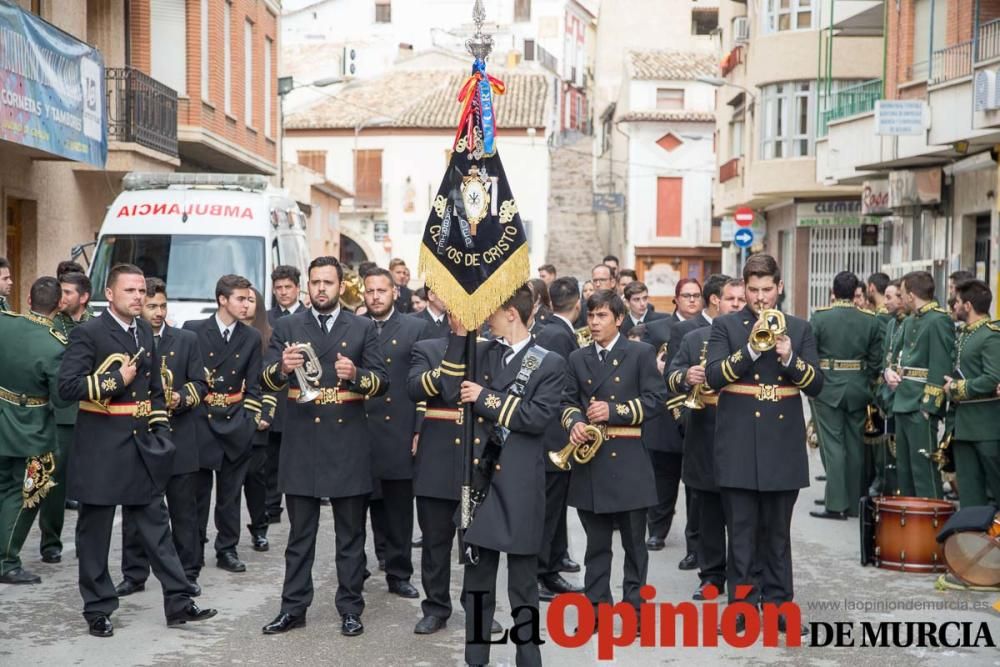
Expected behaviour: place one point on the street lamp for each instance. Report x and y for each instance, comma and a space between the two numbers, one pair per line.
719, 82
286, 84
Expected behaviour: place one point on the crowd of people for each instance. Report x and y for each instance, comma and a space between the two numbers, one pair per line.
584, 396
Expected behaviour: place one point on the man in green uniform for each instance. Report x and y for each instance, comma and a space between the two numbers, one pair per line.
976, 439
848, 345
883, 477
29, 366
73, 309
925, 356
6, 283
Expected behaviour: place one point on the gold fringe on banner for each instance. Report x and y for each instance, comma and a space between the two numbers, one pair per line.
473, 309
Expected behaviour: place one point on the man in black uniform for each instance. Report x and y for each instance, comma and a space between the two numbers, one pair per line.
636, 296
760, 461
517, 392
557, 336
391, 419
123, 452
181, 359
400, 274
686, 372
231, 409
614, 385
435, 314
325, 451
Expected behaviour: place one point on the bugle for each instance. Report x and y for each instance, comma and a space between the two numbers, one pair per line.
579, 453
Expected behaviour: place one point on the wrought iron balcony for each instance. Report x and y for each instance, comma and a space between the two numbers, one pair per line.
952, 62
988, 41
849, 101
141, 110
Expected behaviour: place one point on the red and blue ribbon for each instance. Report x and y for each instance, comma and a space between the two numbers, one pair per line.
476, 97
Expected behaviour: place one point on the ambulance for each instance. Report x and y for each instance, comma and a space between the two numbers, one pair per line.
190, 229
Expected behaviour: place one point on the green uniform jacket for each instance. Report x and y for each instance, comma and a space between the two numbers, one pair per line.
29, 367
928, 354
977, 406
892, 340
63, 323
846, 336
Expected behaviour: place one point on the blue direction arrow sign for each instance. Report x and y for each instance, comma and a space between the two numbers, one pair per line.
743, 237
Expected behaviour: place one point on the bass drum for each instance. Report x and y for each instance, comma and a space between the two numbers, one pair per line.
905, 533
974, 557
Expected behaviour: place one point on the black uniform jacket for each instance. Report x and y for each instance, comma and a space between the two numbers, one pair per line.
440, 329
662, 433
698, 470
229, 420
122, 456
326, 446
178, 349
509, 520
558, 337
275, 313
392, 415
619, 478
760, 434
650, 317
437, 466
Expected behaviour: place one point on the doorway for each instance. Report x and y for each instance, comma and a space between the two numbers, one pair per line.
13, 233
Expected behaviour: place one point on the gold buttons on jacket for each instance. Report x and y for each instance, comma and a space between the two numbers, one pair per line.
340, 420
388, 399
476, 441
589, 381
343, 343
781, 416
387, 417
211, 354
458, 441
393, 341
317, 420
612, 397
133, 394
757, 414
617, 379
498, 467
479, 419
388, 360
614, 454
756, 376
237, 355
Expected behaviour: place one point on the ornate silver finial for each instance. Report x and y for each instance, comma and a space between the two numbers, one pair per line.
481, 44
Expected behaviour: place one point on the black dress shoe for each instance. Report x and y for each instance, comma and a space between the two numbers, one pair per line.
403, 589
368, 574
230, 562
656, 543
557, 584
418, 542
381, 564
827, 514
567, 564
259, 543
741, 624
101, 627
783, 626
193, 589
545, 594
52, 557
428, 625
700, 593
324, 501
283, 623
689, 562
820, 502
191, 614
127, 587
820, 478
73, 505
351, 625
20, 576
496, 628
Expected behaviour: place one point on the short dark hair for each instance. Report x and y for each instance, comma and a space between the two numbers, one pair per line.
611, 258
761, 266
548, 268
327, 260
78, 280
977, 293
713, 286
920, 284
564, 293
638, 331
522, 301
844, 285
228, 284
366, 267
879, 281
68, 266
420, 293
606, 297
45, 295
378, 271
4, 263
628, 272
155, 286
286, 272
121, 270
633, 288
961, 276
734, 282
897, 283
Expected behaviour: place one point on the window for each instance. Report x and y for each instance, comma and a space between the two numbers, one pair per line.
529, 49
268, 49
782, 15
704, 20
368, 179
168, 43
204, 50
669, 204
736, 139
669, 98
227, 56
522, 10
248, 73
315, 160
383, 11
787, 122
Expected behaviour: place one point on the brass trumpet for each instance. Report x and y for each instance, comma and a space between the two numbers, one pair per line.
579, 453
308, 375
167, 377
118, 358
693, 401
770, 324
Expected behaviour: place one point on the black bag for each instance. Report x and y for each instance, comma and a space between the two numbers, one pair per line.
866, 524
977, 519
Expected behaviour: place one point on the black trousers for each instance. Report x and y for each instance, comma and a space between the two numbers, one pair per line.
667, 470
392, 519
600, 530
712, 538
93, 540
759, 524
349, 527
522, 593
437, 526
555, 542
255, 490
182, 510
272, 497
228, 483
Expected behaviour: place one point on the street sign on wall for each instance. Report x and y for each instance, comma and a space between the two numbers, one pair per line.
608, 201
744, 216
743, 237
900, 117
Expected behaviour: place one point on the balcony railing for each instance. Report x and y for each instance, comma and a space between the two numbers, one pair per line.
952, 62
917, 71
729, 170
141, 110
989, 41
546, 59
849, 101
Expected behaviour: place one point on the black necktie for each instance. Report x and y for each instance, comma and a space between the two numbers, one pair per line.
156, 341
602, 355
225, 336
135, 335
378, 327
284, 312
323, 319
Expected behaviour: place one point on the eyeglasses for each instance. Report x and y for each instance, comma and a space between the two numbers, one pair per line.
690, 297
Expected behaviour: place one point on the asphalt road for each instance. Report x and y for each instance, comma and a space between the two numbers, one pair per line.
42, 624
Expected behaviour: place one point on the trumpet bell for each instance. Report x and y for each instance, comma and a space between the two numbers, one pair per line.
579, 453
561, 458
770, 325
307, 394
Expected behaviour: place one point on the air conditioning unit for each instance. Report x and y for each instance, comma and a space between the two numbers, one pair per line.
741, 30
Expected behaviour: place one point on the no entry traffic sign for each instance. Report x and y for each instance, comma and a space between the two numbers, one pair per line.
744, 216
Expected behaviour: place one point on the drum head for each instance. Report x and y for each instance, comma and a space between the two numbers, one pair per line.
974, 558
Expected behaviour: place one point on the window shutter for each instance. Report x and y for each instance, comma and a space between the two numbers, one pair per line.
368, 179
315, 160
168, 37
669, 206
